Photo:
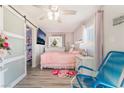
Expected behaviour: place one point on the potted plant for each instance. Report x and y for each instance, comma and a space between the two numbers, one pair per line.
4, 46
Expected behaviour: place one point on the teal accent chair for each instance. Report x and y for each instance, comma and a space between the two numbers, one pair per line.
109, 75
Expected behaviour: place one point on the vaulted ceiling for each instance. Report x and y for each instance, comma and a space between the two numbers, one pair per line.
69, 22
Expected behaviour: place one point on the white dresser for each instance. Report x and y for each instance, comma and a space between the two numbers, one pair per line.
85, 61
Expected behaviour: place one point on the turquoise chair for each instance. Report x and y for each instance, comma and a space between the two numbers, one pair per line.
109, 75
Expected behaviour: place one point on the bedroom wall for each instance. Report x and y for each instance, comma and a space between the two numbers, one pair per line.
90, 27
78, 33
68, 38
78, 36
113, 35
35, 48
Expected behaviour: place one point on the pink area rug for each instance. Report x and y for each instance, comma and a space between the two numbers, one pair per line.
64, 73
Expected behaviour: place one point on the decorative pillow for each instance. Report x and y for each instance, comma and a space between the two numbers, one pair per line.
71, 49
84, 52
75, 52
55, 72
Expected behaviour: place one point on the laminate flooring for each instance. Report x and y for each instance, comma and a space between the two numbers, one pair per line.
37, 78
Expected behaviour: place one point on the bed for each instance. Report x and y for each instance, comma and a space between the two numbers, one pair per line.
58, 60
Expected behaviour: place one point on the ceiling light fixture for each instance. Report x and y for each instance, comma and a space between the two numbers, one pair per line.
54, 13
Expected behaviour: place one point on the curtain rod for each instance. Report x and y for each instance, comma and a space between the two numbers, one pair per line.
22, 15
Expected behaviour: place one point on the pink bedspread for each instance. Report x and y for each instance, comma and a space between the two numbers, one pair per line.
58, 59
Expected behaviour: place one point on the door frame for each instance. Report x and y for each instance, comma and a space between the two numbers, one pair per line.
34, 45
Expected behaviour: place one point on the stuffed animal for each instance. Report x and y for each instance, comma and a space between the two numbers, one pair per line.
64, 73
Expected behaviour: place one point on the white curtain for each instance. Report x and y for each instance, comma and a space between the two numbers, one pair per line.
99, 36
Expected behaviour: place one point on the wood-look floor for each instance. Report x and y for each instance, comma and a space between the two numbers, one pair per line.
43, 79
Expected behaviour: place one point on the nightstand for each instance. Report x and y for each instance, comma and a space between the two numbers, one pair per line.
85, 61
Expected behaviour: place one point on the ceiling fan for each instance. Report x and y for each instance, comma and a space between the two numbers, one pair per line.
54, 12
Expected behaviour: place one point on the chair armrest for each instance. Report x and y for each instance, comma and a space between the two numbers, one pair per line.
84, 67
103, 84
83, 76
78, 76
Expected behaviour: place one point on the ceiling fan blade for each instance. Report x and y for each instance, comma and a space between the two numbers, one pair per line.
37, 6
53, 8
69, 12
42, 18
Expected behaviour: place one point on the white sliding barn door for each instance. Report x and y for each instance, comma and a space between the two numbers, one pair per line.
15, 63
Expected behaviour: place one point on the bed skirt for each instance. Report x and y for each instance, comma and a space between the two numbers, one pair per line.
57, 66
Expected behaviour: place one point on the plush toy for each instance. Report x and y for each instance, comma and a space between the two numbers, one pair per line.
64, 73
71, 73
55, 72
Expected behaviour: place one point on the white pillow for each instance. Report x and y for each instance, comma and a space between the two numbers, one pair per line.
71, 50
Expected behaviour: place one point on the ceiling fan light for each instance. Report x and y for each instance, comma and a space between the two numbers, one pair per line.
54, 8
56, 15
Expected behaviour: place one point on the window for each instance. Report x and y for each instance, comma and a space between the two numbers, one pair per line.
88, 34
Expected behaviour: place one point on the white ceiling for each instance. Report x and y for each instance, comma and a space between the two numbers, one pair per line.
69, 22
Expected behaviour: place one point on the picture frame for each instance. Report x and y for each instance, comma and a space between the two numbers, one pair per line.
55, 41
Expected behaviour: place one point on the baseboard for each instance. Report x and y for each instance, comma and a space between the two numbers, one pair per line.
36, 65
33, 66
17, 80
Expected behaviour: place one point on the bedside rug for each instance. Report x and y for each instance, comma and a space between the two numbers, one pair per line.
64, 73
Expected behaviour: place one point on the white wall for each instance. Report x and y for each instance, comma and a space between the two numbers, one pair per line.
78, 33
113, 35
69, 40
36, 49
67, 37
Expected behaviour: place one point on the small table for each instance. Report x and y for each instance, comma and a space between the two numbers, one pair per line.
85, 61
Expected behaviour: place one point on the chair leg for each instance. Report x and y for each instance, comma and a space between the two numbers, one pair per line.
77, 77
41, 68
72, 81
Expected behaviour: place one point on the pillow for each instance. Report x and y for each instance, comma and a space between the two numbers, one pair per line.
71, 49
75, 52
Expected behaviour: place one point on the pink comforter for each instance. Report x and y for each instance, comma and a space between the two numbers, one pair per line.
58, 59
